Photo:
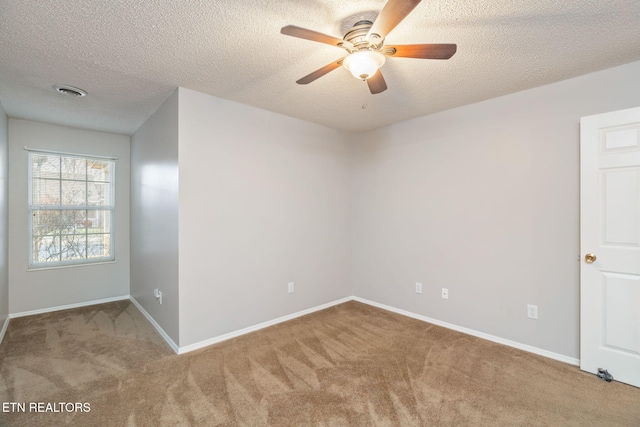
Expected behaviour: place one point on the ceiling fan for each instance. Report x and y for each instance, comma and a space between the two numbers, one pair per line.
365, 46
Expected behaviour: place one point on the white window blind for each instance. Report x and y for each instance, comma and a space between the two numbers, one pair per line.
71, 208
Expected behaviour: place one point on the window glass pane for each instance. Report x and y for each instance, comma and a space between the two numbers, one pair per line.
73, 168
74, 193
98, 194
45, 166
98, 170
46, 249
73, 246
100, 222
45, 223
45, 191
99, 245
73, 222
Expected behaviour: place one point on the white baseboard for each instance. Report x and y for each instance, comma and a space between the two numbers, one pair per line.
155, 324
234, 334
514, 344
4, 328
66, 307
224, 337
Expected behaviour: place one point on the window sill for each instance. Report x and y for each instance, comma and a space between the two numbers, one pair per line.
57, 267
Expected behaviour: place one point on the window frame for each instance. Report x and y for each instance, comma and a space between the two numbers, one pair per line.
32, 208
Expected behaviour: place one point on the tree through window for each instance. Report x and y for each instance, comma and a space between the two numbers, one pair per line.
71, 209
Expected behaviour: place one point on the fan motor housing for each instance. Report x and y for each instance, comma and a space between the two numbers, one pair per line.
357, 36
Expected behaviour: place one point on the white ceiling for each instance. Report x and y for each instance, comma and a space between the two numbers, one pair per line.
131, 54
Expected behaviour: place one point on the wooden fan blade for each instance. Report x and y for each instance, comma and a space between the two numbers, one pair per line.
424, 51
303, 33
377, 83
320, 72
391, 15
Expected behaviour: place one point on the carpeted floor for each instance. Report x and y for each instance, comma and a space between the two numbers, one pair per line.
349, 365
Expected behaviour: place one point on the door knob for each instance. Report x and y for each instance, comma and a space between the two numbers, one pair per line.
589, 258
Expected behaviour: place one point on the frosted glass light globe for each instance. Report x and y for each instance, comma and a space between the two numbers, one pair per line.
364, 64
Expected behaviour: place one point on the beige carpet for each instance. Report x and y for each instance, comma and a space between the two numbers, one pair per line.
348, 365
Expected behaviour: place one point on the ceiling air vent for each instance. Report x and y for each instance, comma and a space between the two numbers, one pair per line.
70, 90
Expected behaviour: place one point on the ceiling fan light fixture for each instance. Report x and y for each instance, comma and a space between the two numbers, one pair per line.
364, 63
364, 43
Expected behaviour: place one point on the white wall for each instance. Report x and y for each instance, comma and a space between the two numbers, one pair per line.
49, 288
154, 215
483, 200
4, 218
264, 200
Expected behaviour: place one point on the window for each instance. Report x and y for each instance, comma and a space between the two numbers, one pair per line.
71, 208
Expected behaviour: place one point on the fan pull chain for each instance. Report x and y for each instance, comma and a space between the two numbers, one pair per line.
365, 88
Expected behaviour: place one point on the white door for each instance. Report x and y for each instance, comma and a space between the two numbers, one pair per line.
610, 233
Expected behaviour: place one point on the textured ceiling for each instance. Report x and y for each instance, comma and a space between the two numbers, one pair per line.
131, 54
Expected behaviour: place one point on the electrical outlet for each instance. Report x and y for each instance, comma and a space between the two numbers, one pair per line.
418, 288
445, 293
290, 287
532, 311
